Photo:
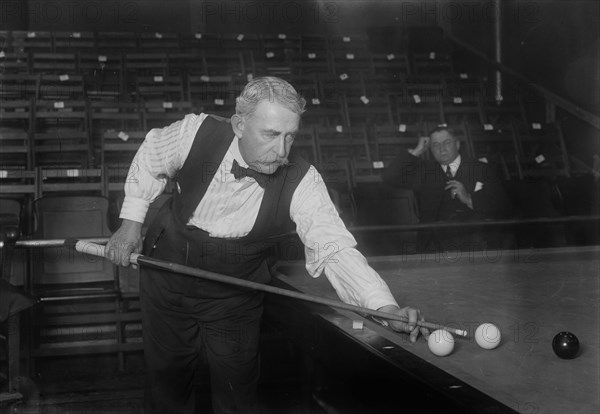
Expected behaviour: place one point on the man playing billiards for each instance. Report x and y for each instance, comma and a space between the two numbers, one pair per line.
225, 218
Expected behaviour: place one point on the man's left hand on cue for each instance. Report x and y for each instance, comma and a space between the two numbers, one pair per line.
411, 326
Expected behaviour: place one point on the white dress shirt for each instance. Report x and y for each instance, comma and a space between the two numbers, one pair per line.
230, 207
454, 165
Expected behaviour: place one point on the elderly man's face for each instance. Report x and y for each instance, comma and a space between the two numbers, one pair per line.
444, 147
266, 137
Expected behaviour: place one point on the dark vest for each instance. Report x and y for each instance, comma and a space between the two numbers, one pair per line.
170, 238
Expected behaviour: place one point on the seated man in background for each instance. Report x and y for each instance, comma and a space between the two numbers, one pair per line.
450, 188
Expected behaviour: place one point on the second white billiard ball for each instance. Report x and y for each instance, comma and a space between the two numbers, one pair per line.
488, 336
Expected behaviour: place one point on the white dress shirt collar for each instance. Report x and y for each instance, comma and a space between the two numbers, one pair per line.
454, 165
234, 150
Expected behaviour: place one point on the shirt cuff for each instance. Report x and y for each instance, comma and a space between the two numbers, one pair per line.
134, 209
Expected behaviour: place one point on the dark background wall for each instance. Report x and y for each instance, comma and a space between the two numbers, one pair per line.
555, 43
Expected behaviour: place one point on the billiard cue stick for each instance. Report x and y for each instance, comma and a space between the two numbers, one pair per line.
57, 242
139, 259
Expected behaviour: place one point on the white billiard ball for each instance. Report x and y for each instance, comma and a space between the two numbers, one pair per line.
488, 336
441, 342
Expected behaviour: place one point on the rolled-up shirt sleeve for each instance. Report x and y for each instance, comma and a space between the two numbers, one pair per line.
160, 156
330, 248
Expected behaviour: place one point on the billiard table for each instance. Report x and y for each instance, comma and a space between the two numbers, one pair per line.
529, 294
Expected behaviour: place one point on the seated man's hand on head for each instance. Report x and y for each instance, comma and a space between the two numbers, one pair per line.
411, 326
126, 240
422, 146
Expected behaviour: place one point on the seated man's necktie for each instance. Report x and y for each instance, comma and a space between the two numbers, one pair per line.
241, 172
449, 172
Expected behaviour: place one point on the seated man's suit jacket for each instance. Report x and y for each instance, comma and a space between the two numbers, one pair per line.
427, 177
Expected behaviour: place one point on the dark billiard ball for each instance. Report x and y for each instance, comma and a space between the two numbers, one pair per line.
565, 345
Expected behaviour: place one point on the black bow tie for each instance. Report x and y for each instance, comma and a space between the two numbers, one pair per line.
241, 172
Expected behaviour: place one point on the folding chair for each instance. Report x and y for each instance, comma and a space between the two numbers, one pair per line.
343, 143
14, 62
61, 87
167, 88
494, 143
378, 203
349, 42
103, 75
313, 56
16, 121
390, 139
384, 84
325, 111
5, 40
204, 88
462, 99
13, 301
74, 42
278, 51
333, 87
54, 63
430, 51
185, 63
31, 41
158, 114
542, 151
351, 62
394, 63
146, 64
80, 311
218, 62
217, 106
18, 183
237, 42
118, 150
19, 86
505, 109
269, 63
431, 63
420, 102
197, 42
289, 44
61, 135
143, 64
368, 109
117, 116
118, 127
158, 42
65, 181
116, 42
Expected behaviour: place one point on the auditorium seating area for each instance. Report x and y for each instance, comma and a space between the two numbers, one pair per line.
76, 106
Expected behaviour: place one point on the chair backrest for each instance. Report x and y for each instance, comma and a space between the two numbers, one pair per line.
70, 217
380, 204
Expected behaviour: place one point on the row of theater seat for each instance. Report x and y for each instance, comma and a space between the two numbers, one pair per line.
415, 40
100, 137
356, 118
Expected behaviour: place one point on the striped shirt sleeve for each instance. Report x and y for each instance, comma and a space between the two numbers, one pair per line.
330, 248
160, 156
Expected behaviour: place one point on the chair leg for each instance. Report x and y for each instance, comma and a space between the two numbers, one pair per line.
13, 350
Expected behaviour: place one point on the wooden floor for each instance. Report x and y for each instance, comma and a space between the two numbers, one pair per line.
93, 384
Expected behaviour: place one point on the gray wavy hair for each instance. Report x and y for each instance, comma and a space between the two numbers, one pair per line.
272, 89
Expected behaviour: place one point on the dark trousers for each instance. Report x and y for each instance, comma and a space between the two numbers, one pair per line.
182, 332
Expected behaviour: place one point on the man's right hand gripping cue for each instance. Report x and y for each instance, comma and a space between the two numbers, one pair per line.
126, 240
